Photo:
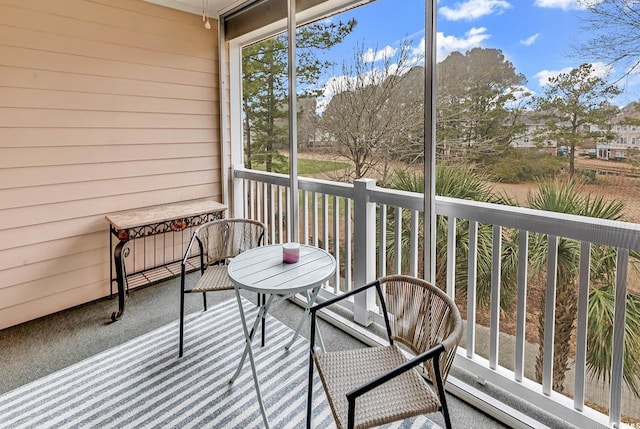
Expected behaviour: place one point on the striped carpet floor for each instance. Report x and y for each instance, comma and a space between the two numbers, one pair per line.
143, 384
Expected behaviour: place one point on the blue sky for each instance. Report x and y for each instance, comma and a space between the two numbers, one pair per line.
537, 36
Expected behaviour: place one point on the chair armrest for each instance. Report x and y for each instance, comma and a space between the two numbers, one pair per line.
313, 310
345, 295
376, 284
433, 352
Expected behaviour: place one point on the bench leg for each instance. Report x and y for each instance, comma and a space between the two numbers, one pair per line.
120, 278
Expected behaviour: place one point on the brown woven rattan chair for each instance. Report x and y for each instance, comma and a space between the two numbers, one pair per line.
218, 241
378, 385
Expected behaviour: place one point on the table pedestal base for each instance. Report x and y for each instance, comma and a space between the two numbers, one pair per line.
248, 335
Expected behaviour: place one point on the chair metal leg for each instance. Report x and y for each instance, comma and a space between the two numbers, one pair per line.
204, 300
441, 393
310, 392
351, 413
312, 345
181, 321
264, 320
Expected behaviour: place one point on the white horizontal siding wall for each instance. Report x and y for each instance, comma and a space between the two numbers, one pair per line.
105, 105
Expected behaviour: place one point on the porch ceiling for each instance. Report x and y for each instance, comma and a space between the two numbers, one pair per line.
196, 6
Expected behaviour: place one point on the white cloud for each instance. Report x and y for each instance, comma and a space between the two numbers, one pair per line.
329, 90
473, 39
372, 56
560, 4
544, 75
474, 9
418, 52
521, 95
530, 40
601, 70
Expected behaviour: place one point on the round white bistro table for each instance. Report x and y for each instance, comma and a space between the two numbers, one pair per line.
261, 270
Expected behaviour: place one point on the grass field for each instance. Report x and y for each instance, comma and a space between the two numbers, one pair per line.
308, 166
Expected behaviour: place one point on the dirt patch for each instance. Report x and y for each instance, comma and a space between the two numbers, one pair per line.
611, 188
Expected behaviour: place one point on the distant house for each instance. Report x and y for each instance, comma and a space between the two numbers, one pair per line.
611, 151
530, 137
320, 139
626, 130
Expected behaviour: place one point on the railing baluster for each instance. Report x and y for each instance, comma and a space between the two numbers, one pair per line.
550, 315
397, 245
325, 222
259, 194
246, 198
413, 248
252, 199
284, 195
348, 281
451, 257
619, 323
267, 213
244, 194
280, 215
581, 319
494, 335
277, 212
472, 281
305, 217
314, 218
521, 305
336, 241
270, 210
258, 197
382, 241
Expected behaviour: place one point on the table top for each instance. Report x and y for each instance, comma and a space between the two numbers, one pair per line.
162, 213
261, 270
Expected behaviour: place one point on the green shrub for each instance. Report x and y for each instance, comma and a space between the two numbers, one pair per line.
520, 166
587, 176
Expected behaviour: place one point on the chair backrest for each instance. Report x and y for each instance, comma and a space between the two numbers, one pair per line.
422, 316
226, 238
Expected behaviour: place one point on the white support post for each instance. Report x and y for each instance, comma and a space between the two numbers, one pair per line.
238, 199
364, 249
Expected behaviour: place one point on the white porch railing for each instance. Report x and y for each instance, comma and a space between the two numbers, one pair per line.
350, 221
